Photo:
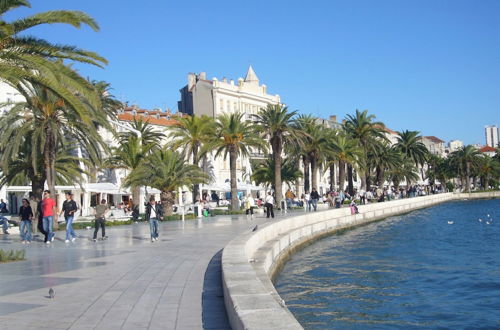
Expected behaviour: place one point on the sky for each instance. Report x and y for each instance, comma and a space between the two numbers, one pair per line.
426, 65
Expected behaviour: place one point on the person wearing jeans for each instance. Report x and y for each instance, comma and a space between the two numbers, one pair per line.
100, 219
5, 224
269, 205
26, 215
48, 211
153, 214
314, 198
69, 208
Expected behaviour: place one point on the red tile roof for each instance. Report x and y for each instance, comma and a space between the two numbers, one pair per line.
487, 149
434, 139
150, 116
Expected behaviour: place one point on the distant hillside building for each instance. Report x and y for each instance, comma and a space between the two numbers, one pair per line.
434, 145
491, 133
489, 151
213, 97
455, 145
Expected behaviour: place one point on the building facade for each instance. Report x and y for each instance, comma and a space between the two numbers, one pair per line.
491, 134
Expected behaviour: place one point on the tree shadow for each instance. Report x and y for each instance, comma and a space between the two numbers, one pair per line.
212, 300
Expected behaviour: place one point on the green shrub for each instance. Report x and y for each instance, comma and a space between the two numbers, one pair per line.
12, 255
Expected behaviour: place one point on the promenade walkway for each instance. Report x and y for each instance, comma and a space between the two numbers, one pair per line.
125, 282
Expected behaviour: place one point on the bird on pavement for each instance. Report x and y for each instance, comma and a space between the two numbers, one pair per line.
52, 293
255, 228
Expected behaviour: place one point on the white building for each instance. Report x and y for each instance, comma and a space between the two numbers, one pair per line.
434, 145
491, 134
213, 97
455, 145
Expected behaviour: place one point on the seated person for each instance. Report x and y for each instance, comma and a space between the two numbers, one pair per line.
5, 224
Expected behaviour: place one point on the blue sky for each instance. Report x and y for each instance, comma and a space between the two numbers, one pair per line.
426, 65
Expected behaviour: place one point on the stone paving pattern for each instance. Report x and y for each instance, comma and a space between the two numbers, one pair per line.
125, 282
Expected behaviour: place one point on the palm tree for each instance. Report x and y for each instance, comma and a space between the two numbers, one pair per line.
166, 171
277, 124
488, 169
234, 137
129, 155
314, 146
406, 171
410, 144
346, 151
55, 124
26, 167
465, 158
149, 136
385, 158
263, 172
26, 60
362, 127
191, 134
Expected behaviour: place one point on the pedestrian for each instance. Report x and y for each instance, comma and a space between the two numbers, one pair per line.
48, 212
289, 196
307, 200
3, 207
249, 205
5, 225
314, 198
69, 208
215, 197
269, 205
153, 214
26, 215
100, 219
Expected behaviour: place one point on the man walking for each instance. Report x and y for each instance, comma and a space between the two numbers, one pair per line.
48, 211
314, 198
153, 214
100, 219
26, 215
69, 208
269, 205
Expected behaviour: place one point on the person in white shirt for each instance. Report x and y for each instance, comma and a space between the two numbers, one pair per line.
307, 200
249, 204
269, 205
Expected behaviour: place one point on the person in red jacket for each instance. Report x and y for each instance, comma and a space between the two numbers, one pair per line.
48, 212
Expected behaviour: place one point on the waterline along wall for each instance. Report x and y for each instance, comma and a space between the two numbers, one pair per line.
250, 260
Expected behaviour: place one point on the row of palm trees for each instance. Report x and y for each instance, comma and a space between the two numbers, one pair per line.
298, 147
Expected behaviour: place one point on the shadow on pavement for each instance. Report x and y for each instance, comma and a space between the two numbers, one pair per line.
212, 299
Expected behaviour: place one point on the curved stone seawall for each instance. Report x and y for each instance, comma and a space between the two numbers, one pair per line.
249, 260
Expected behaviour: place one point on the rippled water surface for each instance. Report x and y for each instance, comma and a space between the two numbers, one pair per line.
410, 271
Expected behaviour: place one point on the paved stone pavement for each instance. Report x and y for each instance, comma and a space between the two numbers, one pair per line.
125, 282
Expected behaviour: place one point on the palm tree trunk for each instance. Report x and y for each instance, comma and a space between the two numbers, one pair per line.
306, 174
276, 145
196, 187
467, 176
341, 175
350, 185
167, 201
49, 153
136, 195
380, 178
37, 187
234, 189
297, 182
314, 172
332, 177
